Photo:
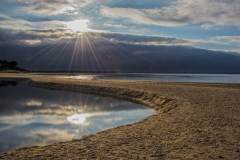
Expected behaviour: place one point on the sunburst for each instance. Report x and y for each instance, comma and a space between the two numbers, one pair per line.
78, 26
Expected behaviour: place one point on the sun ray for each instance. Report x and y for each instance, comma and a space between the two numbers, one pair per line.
87, 55
98, 43
38, 53
82, 51
68, 45
73, 55
116, 44
60, 53
57, 44
93, 52
108, 41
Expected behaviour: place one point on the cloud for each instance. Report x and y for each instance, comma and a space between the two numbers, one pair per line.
4, 17
34, 37
66, 36
47, 36
51, 7
207, 26
183, 12
34, 103
114, 25
235, 52
235, 39
19, 24
144, 40
50, 31
30, 42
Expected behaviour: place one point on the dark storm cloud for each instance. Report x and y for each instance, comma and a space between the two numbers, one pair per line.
57, 34
13, 37
144, 40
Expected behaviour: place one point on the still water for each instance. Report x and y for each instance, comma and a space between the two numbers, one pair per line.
32, 116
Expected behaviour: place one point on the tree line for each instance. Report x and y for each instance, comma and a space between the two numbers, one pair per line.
9, 65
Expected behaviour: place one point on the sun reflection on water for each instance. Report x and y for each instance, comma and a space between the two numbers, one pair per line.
78, 118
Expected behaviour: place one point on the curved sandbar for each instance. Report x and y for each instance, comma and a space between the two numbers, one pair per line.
193, 121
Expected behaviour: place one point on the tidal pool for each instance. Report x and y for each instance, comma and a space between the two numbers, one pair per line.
31, 116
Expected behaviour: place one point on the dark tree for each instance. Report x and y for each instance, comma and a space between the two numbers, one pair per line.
13, 64
4, 64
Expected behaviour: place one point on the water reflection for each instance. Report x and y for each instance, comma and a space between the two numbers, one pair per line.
34, 116
78, 118
8, 83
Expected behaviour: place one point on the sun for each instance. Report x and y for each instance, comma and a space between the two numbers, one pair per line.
78, 26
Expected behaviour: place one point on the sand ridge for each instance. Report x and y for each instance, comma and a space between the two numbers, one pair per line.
193, 121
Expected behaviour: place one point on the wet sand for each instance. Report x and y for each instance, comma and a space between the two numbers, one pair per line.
193, 121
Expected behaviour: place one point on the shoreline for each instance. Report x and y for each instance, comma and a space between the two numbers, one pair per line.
193, 121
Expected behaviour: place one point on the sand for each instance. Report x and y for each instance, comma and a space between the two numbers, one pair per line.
193, 121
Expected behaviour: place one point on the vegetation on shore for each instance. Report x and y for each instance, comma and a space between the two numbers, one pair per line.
10, 67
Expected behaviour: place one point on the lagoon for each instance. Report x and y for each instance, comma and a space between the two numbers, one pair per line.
31, 116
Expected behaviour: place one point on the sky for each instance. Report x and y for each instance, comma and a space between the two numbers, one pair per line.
204, 24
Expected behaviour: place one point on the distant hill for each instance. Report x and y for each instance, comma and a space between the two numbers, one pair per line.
123, 58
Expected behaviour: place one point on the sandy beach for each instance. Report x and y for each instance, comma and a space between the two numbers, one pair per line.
192, 121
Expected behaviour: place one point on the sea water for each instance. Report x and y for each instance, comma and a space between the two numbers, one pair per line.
205, 78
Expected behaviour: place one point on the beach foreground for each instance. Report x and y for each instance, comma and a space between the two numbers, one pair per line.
193, 121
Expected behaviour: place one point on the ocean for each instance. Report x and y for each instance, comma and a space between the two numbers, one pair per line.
206, 78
